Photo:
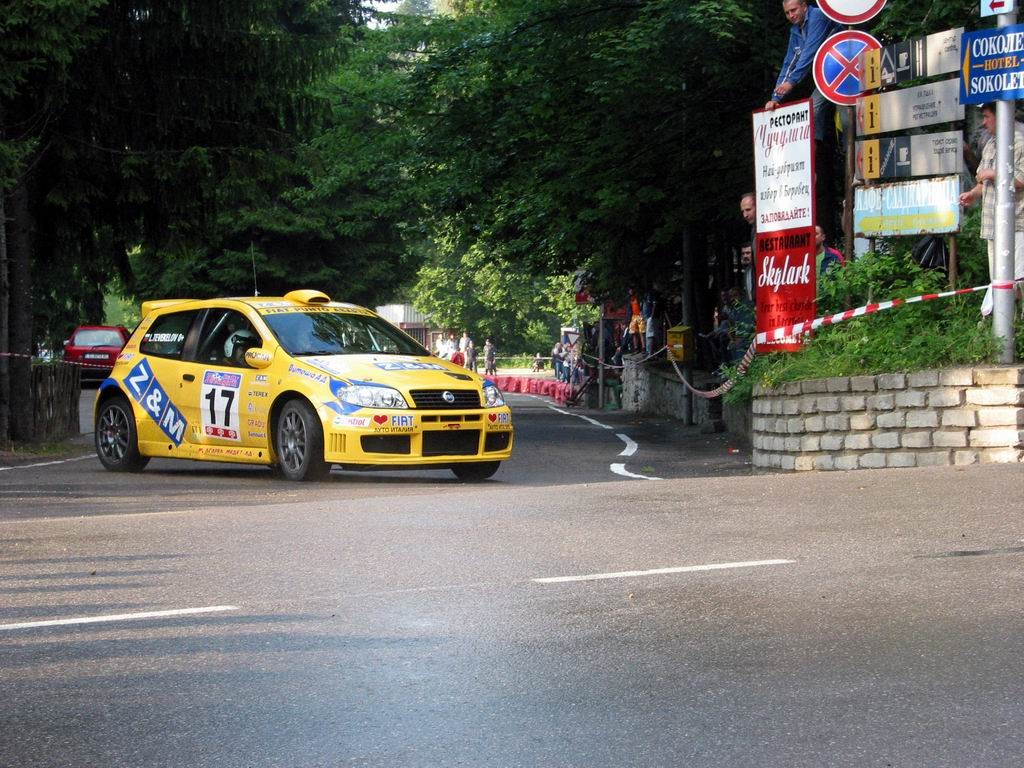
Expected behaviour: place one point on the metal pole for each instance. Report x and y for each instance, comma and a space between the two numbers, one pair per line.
851, 172
953, 267
688, 318
600, 358
1002, 311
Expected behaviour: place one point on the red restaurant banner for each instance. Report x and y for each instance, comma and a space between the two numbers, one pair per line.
784, 250
786, 284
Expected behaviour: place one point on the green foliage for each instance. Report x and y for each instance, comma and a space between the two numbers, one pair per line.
491, 296
118, 310
39, 42
911, 337
150, 129
553, 130
906, 19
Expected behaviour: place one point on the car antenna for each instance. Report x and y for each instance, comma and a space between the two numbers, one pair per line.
252, 255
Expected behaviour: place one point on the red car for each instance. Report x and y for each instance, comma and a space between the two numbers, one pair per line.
95, 347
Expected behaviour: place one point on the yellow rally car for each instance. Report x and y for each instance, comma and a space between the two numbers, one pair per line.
300, 383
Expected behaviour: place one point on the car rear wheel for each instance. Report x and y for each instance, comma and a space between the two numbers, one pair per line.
299, 443
476, 471
117, 442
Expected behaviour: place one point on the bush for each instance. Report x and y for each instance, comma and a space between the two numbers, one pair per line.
932, 334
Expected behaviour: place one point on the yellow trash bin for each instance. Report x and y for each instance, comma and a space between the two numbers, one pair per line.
680, 343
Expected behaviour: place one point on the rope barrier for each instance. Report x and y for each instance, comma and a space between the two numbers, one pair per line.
818, 322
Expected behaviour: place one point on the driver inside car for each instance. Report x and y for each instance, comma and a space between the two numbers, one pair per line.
238, 344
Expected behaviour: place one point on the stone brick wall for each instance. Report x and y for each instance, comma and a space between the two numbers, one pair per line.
944, 417
648, 389
653, 389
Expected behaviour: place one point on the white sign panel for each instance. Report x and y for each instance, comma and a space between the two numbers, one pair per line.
914, 107
784, 167
995, 7
924, 154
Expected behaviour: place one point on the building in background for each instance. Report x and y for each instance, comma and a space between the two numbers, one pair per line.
414, 323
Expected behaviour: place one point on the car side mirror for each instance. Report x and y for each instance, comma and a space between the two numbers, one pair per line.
67, 342
259, 357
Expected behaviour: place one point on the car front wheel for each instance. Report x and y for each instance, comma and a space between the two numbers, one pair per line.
299, 443
475, 471
117, 442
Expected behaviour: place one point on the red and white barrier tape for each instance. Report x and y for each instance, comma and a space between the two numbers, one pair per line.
807, 326
818, 322
56, 362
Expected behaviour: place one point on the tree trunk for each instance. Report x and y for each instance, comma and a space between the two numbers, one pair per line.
5, 361
19, 251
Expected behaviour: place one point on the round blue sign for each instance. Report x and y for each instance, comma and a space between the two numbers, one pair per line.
837, 65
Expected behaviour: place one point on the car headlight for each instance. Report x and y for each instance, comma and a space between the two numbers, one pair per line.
373, 397
493, 397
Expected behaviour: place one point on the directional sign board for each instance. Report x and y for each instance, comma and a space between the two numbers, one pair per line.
993, 65
851, 11
907, 208
917, 107
995, 7
937, 54
837, 65
902, 157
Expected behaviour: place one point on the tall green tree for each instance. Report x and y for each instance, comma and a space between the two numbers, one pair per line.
594, 133
136, 134
39, 43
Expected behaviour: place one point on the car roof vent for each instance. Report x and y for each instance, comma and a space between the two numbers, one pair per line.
308, 296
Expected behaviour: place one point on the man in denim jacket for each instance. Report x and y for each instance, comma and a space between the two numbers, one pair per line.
810, 29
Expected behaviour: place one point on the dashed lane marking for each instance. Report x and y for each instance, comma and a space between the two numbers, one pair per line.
119, 617
661, 571
49, 463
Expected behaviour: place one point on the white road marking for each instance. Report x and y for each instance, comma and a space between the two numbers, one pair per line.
595, 422
49, 463
631, 445
620, 469
660, 571
630, 449
119, 617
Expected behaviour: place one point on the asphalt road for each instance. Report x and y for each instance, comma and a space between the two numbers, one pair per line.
558, 615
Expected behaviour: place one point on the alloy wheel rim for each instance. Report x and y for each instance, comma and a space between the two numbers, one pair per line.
293, 442
114, 434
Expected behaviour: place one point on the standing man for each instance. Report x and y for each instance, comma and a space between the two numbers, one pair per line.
748, 210
490, 358
637, 326
825, 256
747, 270
809, 29
985, 189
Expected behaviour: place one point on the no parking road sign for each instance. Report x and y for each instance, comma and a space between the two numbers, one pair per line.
837, 65
851, 11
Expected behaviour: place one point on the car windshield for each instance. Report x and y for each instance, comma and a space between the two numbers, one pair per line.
98, 337
339, 333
